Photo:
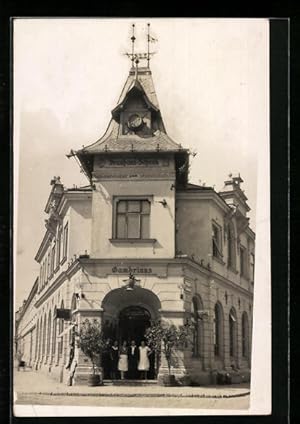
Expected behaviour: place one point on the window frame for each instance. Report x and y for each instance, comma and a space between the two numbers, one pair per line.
65, 241
243, 254
116, 201
252, 266
219, 246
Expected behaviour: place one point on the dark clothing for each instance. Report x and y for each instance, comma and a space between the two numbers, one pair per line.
106, 363
114, 359
133, 359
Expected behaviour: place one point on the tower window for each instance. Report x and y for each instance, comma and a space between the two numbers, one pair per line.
133, 219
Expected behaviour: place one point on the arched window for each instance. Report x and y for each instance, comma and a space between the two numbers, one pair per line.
40, 338
37, 339
218, 330
198, 338
245, 335
44, 335
60, 330
49, 333
54, 334
231, 260
232, 333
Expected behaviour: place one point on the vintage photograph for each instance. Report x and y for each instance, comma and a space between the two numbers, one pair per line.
138, 149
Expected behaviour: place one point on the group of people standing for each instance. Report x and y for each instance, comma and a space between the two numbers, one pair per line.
127, 361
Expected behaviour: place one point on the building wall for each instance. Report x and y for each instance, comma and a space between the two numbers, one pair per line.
161, 219
26, 333
80, 227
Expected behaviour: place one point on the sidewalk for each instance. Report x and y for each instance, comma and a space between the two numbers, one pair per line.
32, 382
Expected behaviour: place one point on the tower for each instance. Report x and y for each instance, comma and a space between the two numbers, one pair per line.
134, 169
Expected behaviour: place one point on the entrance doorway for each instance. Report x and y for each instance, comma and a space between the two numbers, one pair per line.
133, 323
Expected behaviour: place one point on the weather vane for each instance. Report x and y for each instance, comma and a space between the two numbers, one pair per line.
137, 57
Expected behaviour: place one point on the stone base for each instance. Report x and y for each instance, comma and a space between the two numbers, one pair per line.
202, 378
81, 376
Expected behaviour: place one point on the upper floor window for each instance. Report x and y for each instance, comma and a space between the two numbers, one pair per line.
48, 265
231, 259
66, 235
217, 241
252, 266
58, 247
243, 261
52, 260
132, 219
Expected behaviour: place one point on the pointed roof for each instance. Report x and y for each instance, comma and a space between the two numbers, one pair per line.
113, 141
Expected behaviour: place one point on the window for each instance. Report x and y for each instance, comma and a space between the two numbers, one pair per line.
44, 335
49, 333
245, 335
252, 266
243, 262
49, 265
218, 330
37, 339
60, 330
58, 249
132, 219
54, 334
52, 260
198, 333
217, 241
232, 332
231, 260
65, 247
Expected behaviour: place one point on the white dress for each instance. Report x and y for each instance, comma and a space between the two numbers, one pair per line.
144, 363
123, 360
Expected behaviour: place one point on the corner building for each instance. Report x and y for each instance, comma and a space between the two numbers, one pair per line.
190, 249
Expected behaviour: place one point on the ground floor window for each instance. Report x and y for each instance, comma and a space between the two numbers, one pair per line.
218, 330
245, 335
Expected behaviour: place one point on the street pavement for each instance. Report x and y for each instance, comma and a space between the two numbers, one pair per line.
31, 387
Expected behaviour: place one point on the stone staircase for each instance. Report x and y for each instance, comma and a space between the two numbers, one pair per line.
130, 382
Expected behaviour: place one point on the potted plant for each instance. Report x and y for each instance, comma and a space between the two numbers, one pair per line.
92, 343
165, 337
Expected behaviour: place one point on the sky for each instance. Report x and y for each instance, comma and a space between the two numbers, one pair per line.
211, 79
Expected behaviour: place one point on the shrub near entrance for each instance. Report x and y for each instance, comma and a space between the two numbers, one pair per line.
164, 338
92, 344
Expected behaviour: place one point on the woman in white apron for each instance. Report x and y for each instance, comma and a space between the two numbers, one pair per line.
123, 360
144, 364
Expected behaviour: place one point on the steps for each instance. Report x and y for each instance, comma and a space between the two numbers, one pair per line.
130, 382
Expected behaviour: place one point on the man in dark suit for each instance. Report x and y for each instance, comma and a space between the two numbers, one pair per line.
133, 359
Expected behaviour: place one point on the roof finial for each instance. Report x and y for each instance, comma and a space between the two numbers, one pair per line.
132, 47
136, 68
148, 45
139, 55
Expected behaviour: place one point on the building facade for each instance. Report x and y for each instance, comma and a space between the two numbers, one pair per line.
189, 248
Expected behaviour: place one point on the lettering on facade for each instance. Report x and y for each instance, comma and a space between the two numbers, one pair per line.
132, 162
127, 270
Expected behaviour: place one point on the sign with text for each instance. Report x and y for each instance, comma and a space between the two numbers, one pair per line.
131, 269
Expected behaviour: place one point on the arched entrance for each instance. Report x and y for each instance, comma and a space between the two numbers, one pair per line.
127, 314
133, 322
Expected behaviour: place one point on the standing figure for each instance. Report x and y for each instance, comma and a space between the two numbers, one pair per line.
123, 360
144, 363
106, 362
133, 357
114, 359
